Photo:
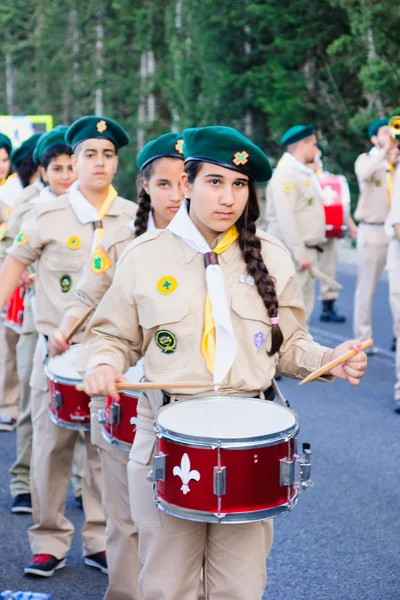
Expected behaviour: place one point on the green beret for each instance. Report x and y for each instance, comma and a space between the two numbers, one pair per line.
48, 139
89, 128
296, 133
27, 147
169, 144
5, 142
321, 149
226, 147
375, 127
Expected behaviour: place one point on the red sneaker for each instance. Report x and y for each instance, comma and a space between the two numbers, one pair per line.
44, 565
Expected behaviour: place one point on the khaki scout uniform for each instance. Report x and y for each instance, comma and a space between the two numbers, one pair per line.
52, 235
393, 267
372, 242
295, 215
121, 533
130, 314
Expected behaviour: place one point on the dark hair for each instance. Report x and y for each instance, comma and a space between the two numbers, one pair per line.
25, 169
250, 246
6, 148
54, 152
144, 200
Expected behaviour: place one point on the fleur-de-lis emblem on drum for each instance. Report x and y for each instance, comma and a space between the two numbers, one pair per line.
185, 473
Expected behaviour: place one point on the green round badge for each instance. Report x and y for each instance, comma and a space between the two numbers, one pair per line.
65, 282
166, 340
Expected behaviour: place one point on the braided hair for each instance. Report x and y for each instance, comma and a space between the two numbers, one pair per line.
250, 246
144, 200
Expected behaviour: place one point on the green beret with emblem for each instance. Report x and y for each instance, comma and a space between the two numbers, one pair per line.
375, 127
25, 149
89, 128
228, 148
296, 133
48, 139
169, 144
5, 142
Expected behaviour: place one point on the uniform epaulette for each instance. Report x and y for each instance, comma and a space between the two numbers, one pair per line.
51, 205
266, 237
126, 206
28, 194
142, 239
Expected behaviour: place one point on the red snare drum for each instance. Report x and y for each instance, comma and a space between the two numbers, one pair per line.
336, 204
118, 420
227, 460
68, 407
14, 316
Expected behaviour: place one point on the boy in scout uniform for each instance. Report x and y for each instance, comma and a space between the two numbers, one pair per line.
159, 197
373, 170
224, 328
295, 213
22, 161
61, 234
392, 229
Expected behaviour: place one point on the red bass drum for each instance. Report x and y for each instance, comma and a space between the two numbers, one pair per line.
336, 198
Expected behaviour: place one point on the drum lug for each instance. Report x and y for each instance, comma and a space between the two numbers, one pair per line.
114, 414
102, 417
305, 467
159, 467
286, 472
57, 399
219, 481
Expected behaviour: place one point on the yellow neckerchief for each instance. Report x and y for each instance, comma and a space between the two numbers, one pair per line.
2, 181
112, 194
390, 182
208, 341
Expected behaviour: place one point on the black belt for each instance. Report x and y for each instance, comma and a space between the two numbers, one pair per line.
371, 223
269, 394
316, 247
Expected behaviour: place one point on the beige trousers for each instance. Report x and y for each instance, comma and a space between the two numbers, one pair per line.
307, 284
9, 384
327, 262
51, 465
172, 550
78, 464
372, 246
121, 533
393, 267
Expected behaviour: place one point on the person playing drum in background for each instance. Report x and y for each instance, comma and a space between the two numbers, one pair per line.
10, 192
374, 174
54, 157
294, 211
159, 198
234, 325
61, 234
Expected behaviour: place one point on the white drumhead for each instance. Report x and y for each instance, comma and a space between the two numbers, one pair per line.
135, 374
226, 418
65, 364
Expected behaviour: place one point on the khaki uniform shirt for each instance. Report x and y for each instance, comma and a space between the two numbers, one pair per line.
372, 174
92, 286
23, 205
295, 212
394, 214
52, 234
127, 322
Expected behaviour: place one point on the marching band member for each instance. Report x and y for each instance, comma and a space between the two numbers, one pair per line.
159, 306
25, 176
61, 234
295, 213
373, 170
159, 198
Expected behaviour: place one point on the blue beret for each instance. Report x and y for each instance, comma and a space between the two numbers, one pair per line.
375, 127
296, 133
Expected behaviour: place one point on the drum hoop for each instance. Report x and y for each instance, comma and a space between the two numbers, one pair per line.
271, 439
131, 393
114, 441
59, 378
67, 424
228, 518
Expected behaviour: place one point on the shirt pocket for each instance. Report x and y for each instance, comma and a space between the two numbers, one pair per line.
63, 260
169, 332
252, 328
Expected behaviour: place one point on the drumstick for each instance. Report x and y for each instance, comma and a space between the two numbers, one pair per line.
151, 385
326, 279
336, 362
78, 325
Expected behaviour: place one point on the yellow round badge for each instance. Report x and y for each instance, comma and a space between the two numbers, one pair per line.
73, 242
167, 285
307, 182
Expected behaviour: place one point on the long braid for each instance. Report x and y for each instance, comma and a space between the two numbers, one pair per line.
144, 201
250, 245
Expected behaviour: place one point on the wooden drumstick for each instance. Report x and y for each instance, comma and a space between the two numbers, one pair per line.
77, 326
335, 363
326, 279
151, 385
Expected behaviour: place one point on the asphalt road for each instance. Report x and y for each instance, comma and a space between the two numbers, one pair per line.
341, 542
